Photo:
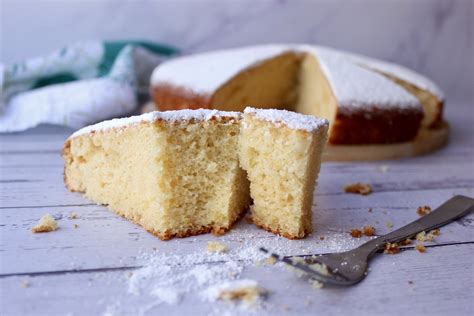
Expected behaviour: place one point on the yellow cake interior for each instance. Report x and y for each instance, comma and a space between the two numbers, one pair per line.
282, 166
173, 178
315, 96
270, 84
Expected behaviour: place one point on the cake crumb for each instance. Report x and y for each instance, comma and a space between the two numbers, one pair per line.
391, 248
25, 284
321, 237
435, 232
46, 224
214, 246
405, 242
76, 226
320, 268
420, 248
389, 224
270, 261
423, 236
370, 210
369, 230
315, 284
423, 210
358, 188
73, 215
410, 282
246, 291
356, 233
420, 236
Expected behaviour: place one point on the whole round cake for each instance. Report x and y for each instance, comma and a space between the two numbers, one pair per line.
377, 110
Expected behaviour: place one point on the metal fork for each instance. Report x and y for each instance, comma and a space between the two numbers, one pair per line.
350, 267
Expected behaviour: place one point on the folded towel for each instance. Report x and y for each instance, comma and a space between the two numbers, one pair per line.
77, 85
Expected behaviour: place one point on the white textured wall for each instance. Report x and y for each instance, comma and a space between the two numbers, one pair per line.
434, 37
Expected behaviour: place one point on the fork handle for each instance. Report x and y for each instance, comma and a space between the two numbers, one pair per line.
451, 210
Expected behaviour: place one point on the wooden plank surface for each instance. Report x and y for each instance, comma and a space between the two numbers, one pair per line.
66, 268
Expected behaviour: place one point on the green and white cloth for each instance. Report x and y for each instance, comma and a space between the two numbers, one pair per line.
77, 85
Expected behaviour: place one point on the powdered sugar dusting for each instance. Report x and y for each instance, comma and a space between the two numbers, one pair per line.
356, 87
396, 70
292, 120
179, 115
204, 73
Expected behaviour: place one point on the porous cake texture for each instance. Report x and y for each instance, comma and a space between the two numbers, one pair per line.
281, 152
176, 173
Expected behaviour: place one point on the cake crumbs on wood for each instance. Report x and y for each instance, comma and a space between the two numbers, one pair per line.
46, 224
391, 248
73, 215
389, 224
435, 232
315, 284
420, 247
405, 242
358, 188
423, 210
356, 233
369, 230
214, 246
321, 237
267, 261
246, 291
423, 236
270, 261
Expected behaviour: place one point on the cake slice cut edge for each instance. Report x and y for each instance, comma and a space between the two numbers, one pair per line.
174, 173
281, 152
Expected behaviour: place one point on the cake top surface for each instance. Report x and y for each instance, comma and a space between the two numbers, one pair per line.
357, 87
170, 116
396, 70
292, 120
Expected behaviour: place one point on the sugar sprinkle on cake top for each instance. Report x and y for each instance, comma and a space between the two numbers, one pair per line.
178, 115
292, 120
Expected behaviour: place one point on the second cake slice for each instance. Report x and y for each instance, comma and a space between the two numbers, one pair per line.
281, 152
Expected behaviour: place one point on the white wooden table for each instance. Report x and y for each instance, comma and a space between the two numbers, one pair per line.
80, 271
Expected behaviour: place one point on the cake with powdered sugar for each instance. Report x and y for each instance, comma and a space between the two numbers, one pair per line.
281, 152
377, 108
178, 173
175, 173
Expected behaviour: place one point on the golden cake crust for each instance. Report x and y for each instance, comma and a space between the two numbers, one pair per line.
378, 127
277, 231
169, 97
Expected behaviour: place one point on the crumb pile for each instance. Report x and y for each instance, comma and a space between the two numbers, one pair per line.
245, 291
214, 246
358, 188
46, 224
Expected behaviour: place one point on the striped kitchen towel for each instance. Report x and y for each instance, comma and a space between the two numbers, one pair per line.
77, 85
